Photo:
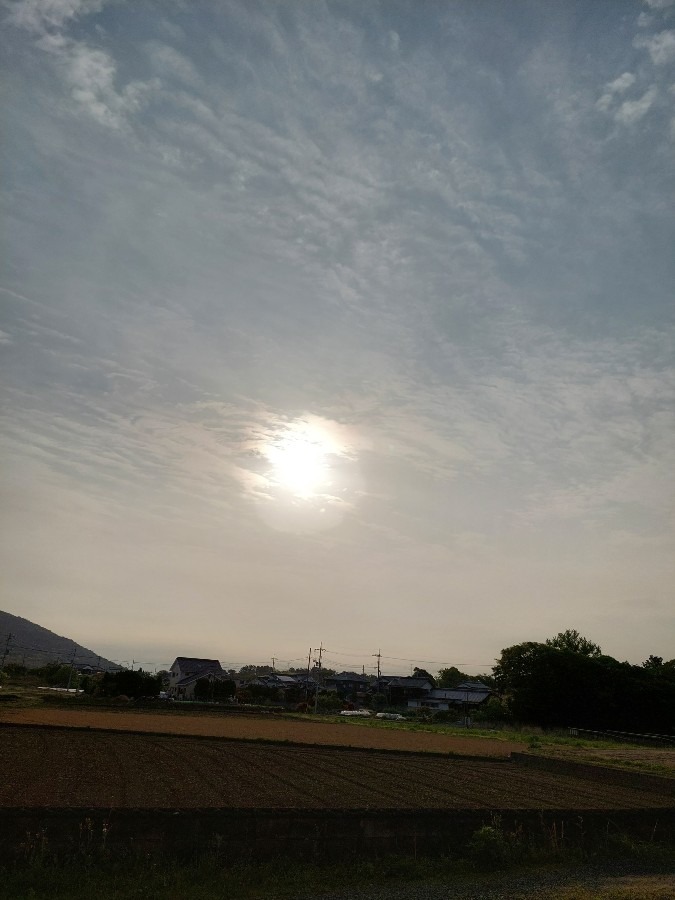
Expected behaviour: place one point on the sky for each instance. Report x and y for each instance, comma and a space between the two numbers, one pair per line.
343, 323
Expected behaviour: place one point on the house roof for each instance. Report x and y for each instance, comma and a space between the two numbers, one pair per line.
407, 681
193, 661
347, 676
472, 686
195, 676
274, 679
455, 695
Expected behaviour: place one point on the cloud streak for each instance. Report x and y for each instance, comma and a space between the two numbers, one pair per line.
446, 237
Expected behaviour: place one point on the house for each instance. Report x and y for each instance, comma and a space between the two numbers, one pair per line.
403, 689
306, 683
283, 682
465, 696
186, 672
346, 683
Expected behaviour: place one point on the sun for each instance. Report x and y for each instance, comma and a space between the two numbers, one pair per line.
300, 463
307, 473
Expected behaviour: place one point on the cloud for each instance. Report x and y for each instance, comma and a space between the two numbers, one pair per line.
622, 83
619, 86
443, 260
42, 15
658, 4
661, 46
631, 111
90, 74
169, 62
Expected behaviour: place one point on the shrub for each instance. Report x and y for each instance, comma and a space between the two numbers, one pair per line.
329, 701
489, 849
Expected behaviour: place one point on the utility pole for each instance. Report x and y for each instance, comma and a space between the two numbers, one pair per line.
319, 650
274, 659
4, 655
72, 663
309, 664
379, 657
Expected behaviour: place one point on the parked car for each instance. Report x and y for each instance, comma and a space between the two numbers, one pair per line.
393, 717
361, 713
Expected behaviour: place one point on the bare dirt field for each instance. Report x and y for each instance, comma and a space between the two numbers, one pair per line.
641, 758
75, 767
345, 734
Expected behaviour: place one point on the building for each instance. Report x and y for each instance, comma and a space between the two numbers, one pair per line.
186, 672
402, 689
468, 695
346, 683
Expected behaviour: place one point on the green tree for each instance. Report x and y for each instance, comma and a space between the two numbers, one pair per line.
574, 642
131, 683
422, 673
548, 686
653, 662
57, 675
329, 701
378, 701
224, 689
202, 689
260, 693
451, 677
493, 710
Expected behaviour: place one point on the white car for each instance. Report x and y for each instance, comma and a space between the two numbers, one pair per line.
361, 713
392, 717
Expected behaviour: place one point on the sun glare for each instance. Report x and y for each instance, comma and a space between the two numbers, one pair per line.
300, 461
312, 477
299, 465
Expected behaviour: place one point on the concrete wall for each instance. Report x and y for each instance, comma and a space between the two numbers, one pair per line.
325, 834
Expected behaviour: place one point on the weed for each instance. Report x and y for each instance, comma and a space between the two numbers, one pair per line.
489, 849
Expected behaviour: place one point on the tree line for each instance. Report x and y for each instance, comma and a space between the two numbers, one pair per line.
568, 681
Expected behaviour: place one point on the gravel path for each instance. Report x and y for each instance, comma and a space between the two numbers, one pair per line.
539, 884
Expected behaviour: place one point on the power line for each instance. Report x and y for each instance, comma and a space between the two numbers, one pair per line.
434, 662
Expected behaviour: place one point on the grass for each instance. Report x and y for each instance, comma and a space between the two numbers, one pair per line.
84, 878
636, 765
630, 887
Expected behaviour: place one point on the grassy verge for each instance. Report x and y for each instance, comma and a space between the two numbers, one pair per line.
630, 887
283, 880
491, 857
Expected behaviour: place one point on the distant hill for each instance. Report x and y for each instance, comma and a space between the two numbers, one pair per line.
33, 646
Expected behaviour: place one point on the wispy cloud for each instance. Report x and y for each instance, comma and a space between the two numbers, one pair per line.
444, 235
42, 15
661, 46
631, 111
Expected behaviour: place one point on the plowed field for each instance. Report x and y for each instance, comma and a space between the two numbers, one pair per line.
347, 734
54, 767
662, 758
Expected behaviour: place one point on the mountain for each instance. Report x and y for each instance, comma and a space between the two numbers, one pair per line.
31, 645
